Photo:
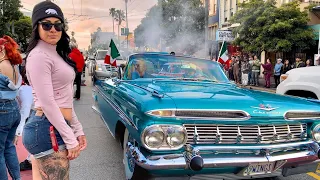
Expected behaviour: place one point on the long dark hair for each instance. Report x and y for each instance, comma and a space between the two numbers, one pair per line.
63, 48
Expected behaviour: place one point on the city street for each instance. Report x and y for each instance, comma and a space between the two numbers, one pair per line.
102, 160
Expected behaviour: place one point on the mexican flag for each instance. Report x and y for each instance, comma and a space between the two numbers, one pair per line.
113, 53
223, 54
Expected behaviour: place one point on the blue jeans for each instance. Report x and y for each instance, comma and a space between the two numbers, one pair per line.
9, 121
36, 136
250, 78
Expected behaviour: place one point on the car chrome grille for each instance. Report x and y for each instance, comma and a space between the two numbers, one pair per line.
244, 134
109, 67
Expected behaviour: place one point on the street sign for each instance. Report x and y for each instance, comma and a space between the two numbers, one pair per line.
124, 31
224, 35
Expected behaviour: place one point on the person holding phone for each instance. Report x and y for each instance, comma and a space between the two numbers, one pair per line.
51, 74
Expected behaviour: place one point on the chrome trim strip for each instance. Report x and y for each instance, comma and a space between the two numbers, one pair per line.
303, 118
255, 147
161, 162
95, 109
117, 109
248, 116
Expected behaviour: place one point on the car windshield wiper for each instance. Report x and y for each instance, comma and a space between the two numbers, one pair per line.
195, 79
185, 79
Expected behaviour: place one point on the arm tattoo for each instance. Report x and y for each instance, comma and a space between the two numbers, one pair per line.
54, 166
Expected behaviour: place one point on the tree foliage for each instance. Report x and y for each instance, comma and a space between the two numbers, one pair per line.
23, 30
266, 27
177, 23
10, 14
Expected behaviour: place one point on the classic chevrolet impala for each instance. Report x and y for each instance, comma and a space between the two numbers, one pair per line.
181, 117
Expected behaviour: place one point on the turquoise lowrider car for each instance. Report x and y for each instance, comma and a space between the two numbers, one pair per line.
181, 116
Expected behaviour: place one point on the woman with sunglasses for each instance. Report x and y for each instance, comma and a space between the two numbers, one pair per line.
52, 134
10, 81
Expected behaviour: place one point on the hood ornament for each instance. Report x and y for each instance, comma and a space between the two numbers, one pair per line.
267, 107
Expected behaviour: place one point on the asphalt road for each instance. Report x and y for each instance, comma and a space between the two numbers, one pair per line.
102, 160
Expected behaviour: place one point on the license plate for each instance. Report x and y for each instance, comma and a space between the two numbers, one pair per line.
259, 168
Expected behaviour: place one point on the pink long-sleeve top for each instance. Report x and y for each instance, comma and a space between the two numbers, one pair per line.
51, 79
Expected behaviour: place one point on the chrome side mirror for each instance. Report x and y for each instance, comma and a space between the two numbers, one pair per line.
116, 81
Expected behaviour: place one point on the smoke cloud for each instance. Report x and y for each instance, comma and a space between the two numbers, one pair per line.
177, 27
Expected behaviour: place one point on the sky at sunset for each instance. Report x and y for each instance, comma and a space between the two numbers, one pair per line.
85, 16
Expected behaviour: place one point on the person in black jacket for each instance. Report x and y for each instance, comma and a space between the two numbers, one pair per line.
286, 67
299, 63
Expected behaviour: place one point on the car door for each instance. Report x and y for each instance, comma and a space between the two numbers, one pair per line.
108, 111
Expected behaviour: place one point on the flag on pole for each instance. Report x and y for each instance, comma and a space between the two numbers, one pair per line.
113, 53
223, 54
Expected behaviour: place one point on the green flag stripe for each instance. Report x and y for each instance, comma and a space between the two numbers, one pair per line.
114, 50
223, 50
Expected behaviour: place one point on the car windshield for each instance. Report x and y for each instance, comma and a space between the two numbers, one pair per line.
101, 54
173, 67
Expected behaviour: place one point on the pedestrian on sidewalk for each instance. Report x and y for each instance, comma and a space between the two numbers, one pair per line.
245, 69
299, 63
51, 74
277, 71
267, 72
10, 82
236, 70
255, 71
250, 82
308, 63
286, 67
230, 71
25, 100
77, 57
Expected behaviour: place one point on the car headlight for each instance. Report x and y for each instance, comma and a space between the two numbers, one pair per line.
154, 137
98, 67
176, 136
164, 137
316, 133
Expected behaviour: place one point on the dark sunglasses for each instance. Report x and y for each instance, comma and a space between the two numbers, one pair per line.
48, 25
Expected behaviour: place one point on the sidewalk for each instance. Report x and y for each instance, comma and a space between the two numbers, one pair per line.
261, 86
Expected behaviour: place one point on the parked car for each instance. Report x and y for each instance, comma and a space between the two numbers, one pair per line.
180, 116
99, 70
302, 82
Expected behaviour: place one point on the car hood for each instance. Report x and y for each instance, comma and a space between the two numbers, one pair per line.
205, 96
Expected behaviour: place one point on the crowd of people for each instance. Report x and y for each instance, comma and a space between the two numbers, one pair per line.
246, 70
36, 99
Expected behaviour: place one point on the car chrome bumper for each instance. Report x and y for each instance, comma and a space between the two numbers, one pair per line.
185, 159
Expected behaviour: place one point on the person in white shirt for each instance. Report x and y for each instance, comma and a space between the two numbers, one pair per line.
25, 101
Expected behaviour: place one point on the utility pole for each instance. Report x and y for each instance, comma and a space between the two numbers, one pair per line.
206, 26
127, 27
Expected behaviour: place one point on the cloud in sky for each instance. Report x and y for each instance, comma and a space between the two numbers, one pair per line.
95, 13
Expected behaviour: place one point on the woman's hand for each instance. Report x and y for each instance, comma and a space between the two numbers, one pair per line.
15, 140
73, 153
82, 142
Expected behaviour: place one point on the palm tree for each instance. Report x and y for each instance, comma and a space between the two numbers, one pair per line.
112, 12
120, 17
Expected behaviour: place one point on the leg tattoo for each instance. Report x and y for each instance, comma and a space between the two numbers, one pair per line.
54, 166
